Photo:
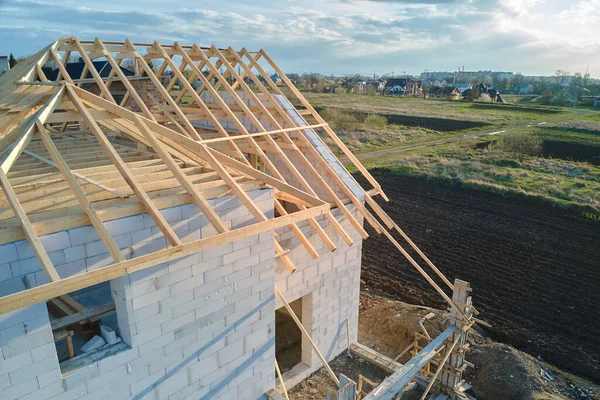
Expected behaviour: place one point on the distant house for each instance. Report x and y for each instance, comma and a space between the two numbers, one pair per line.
596, 102
75, 69
438, 92
414, 88
4, 65
462, 87
395, 87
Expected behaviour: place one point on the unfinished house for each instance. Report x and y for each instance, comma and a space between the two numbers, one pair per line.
178, 229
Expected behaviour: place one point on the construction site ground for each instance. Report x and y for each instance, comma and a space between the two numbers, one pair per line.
534, 270
502, 372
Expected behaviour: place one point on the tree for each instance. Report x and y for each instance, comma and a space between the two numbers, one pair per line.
12, 61
577, 79
521, 145
561, 75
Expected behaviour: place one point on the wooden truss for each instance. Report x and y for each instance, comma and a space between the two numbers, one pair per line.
179, 124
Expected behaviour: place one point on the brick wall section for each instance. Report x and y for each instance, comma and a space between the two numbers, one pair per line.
198, 326
331, 284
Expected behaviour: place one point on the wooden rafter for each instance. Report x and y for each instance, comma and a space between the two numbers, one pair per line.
229, 139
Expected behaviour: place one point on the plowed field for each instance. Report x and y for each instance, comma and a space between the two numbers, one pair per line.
535, 271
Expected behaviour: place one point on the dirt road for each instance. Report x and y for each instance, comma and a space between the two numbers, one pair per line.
401, 149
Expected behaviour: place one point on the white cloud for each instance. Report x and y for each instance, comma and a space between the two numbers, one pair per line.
338, 36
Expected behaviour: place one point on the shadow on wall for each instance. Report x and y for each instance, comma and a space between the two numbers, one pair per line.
256, 354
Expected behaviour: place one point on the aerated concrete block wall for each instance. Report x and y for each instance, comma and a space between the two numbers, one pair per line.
329, 285
197, 327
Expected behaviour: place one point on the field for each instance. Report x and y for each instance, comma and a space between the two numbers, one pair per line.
508, 199
368, 123
534, 271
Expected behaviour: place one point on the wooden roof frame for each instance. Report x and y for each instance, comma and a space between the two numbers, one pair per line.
249, 132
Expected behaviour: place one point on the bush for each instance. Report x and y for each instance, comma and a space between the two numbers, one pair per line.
484, 98
375, 120
521, 145
339, 119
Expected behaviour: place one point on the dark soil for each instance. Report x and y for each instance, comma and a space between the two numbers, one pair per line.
535, 272
571, 151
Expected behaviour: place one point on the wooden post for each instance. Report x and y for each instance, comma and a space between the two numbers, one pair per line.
450, 377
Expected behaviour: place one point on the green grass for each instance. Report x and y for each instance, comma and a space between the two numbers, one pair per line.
566, 184
494, 114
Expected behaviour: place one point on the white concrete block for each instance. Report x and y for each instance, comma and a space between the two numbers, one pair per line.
51, 377
25, 266
21, 375
153, 321
82, 235
172, 214
157, 343
51, 390
146, 336
5, 271
66, 270
174, 277
125, 225
109, 335
107, 364
148, 273
176, 300
236, 255
105, 379
98, 261
43, 352
8, 252
94, 343
15, 363
143, 248
149, 298
4, 382
188, 284
11, 333
20, 390
183, 262
75, 253
25, 344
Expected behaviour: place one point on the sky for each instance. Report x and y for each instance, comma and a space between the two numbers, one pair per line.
534, 37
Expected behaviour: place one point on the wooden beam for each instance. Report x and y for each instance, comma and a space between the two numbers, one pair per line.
99, 311
107, 239
156, 215
30, 234
64, 286
395, 382
185, 181
82, 177
17, 147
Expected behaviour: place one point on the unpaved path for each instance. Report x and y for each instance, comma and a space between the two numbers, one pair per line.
498, 131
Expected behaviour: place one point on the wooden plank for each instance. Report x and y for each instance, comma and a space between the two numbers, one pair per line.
53, 289
16, 148
395, 382
329, 131
30, 234
185, 181
375, 358
92, 69
156, 215
107, 239
84, 178
117, 69
99, 311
